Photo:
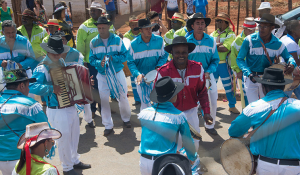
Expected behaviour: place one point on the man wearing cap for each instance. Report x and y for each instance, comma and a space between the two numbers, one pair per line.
53, 27
146, 53
17, 111
249, 28
161, 124
34, 33
66, 120
275, 143
111, 46
192, 75
177, 22
205, 53
86, 32
258, 52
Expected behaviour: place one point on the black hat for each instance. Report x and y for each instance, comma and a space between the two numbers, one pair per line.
59, 7
144, 23
180, 40
63, 34
16, 75
55, 45
195, 16
172, 164
268, 18
102, 20
273, 76
165, 89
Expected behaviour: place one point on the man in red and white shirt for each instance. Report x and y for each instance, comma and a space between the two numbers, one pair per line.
191, 73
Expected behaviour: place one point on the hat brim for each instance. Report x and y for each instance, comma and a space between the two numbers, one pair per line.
260, 80
46, 25
31, 80
264, 8
99, 8
192, 20
248, 28
179, 19
127, 22
222, 18
191, 47
108, 23
60, 51
34, 19
151, 25
156, 99
265, 21
59, 10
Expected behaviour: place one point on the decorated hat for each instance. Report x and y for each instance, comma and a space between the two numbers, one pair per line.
29, 13
225, 17
268, 18
53, 22
264, 5
249, 23
132, 18
144, 23
16, 75
178, 17
55, 45
63, 34
59, 7
180, 40
96, 5
273, 76
102, 20
195, 16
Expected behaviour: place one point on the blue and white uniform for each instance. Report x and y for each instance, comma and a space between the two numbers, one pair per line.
277, 138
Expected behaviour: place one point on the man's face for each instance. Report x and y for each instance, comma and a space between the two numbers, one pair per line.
64, 39
176, 24
133, 25
103, 29
10, 33
180, 54
147, 32
95, 13
27, 20
248, 31
221, 24
54, 57
263, 11
52, 29
199, 26
24, 87
297, 31
265, 29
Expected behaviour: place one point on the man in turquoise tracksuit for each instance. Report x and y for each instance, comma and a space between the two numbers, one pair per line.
17, 111
146, 54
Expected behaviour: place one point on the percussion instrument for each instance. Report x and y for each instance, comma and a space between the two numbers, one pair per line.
75, 84
150, 76
296, 79
194, 133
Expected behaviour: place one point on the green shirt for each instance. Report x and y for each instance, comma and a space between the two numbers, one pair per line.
169, 36
226, 38
130, 35
181, 32
6, 15
235, 48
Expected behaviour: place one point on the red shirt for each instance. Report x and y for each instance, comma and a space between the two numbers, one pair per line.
155, 5
194, 85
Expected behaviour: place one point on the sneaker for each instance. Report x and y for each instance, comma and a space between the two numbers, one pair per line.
91, 124
71, 172
127, 124
136, 103
81, 165
234, 110
107, 132
211, 131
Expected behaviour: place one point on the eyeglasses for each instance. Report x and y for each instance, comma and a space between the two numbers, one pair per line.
175, 21
219, 20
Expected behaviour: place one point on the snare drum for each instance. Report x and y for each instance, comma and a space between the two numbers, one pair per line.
150, 76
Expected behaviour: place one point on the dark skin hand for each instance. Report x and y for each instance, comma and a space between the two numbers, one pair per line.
208, 119
92, 81
57, 90
289, 69
239, 75
103, 61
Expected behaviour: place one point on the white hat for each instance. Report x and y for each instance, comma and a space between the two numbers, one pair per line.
96, 5
264, 5
249, 23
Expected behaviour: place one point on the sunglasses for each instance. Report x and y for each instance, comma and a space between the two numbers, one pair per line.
175, 21
219, 20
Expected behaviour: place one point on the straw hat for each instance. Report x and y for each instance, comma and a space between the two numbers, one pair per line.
225, 17
30, 14
178, 17
249, 23
53, 22
132, 18
96, 5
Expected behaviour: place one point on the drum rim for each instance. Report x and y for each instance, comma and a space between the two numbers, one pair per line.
251, 155
149, 73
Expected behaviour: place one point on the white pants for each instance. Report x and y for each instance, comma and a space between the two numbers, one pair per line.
87, 115
143, 105
253, 90
266, 168
66, 120
104, 92
212, 90
7, 167
29, 74
146, 166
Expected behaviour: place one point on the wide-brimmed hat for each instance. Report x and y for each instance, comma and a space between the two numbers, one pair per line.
102, 20
225, 17
16, 75
53, 22
144, 23
59, 7
55, 45
172, 164
63, 34
97, 5
268, 18
132, 18
180, 40
29, 13
165, 89
195, 16
264, 5
273, 76
249, 23
178, 17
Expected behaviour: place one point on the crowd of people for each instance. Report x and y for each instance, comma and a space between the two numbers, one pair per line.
184, 65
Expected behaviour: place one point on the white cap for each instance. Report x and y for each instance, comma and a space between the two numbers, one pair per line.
264, 5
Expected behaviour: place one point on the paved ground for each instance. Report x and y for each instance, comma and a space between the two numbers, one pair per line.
118, 153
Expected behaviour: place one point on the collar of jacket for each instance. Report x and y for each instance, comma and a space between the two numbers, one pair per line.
11, 92
205, 36
153, 38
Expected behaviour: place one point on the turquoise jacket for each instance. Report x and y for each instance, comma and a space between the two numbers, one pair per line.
74, 57
206, 52
115, 48
256, 59
160, 133
278, 137
143, 57
22, 52
18, 112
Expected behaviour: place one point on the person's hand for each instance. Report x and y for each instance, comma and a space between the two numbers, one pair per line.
296, 72
57, 90
20, 66
251, 77
103, 61
4, 64
239, 75
139, 79
207, 76
92, 81
288, 69
208, 119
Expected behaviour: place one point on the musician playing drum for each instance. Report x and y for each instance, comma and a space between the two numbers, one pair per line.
191, 73
66, 120
276, 142
253, 49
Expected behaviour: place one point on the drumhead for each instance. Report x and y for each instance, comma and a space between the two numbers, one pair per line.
236, 158
126, 42
150, 76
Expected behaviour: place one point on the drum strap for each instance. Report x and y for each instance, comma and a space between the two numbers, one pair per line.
272, 111
267, 54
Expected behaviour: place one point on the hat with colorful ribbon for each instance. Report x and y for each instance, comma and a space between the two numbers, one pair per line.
178, 17
30, 14
249, 23
132, 18
53, 22
225, 17
16, 75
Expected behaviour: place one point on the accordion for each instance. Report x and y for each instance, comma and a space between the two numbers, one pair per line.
75, 84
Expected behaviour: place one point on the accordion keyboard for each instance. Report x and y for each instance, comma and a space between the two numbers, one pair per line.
63, 98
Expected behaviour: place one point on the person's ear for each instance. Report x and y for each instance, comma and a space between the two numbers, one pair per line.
192, 26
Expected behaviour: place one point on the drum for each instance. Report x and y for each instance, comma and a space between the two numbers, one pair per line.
150, 76
236, 157
194, 133
296, 79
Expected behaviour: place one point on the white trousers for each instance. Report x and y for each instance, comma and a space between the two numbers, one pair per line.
266, 168
212, 90
87, 115
104, 92
146, 166
253, 90
143, 105
29, 74
66, 120
7, 167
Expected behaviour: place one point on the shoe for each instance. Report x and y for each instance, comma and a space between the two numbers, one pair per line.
107, 132
81, 165
234, 110
136, 103
93, 114
211, 131
91, 124
71, 172
127, 124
